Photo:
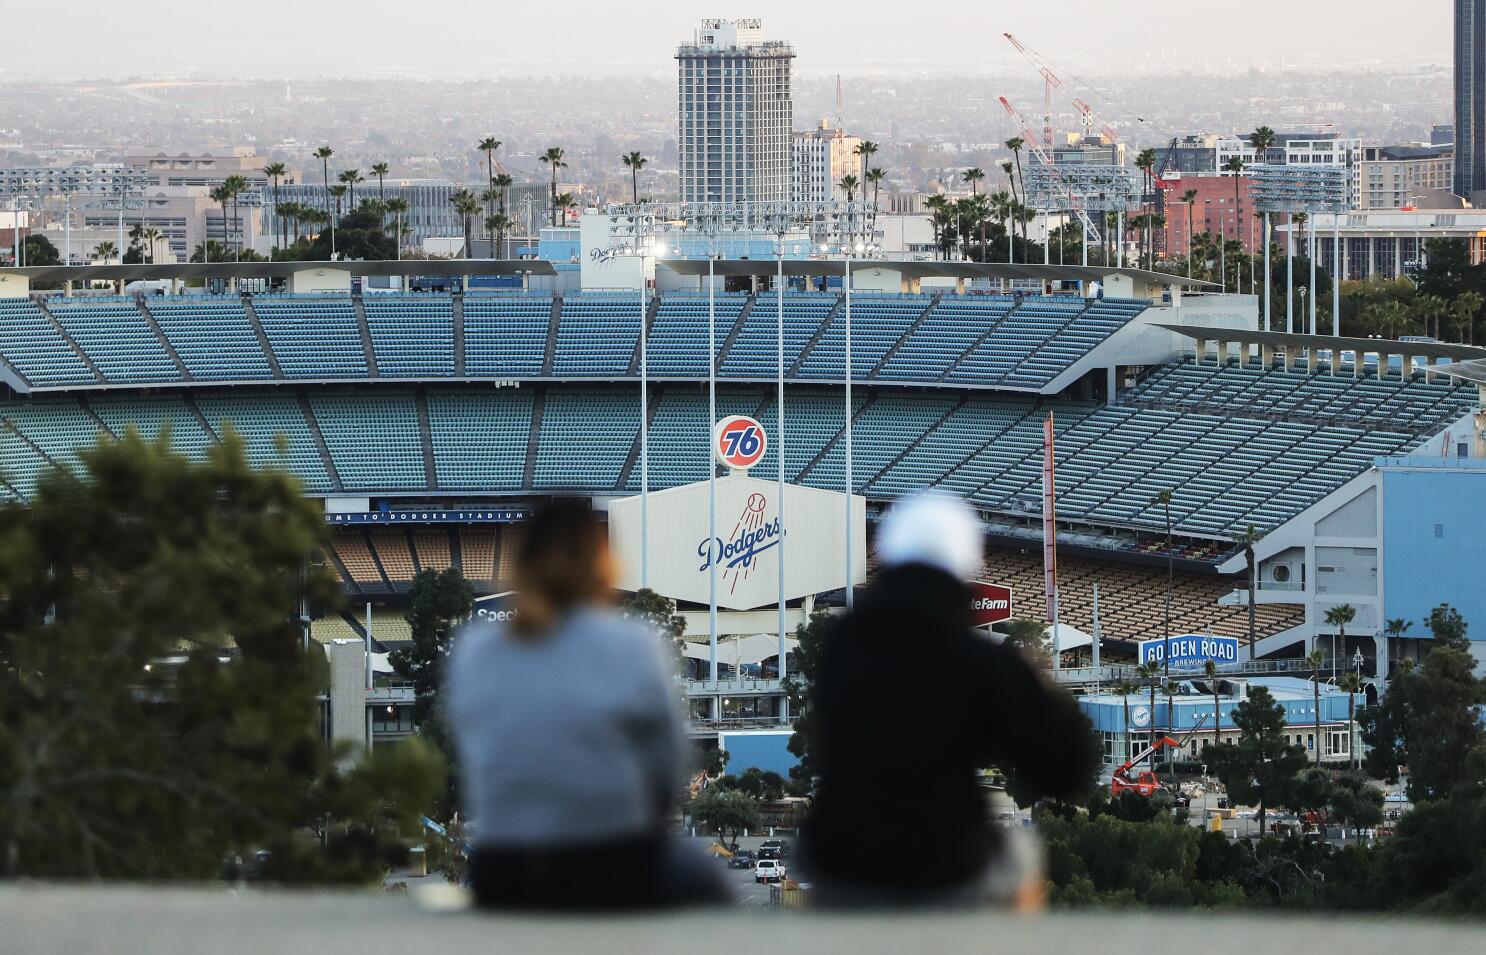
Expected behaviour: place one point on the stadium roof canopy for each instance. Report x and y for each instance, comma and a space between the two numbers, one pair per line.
1291, 341
275, 270
912, 269
1472, 370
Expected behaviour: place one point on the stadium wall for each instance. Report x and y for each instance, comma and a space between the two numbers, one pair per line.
1433, 548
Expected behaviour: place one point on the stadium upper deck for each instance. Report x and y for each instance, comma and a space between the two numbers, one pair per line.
963, 342
390, 397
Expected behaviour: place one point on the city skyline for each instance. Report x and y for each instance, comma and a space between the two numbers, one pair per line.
170, 38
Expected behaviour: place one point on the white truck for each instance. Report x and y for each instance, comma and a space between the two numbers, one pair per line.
768, 870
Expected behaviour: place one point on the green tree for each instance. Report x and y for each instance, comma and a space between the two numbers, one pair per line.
1031, 638
439, 602
810, 642
158, 692
761, 784
658, 613
848, 185
235, 186
1429, 718
726, 812
1260, 767
40, 251
634, 162
1351, 683
360, 237
380, 170
397, 207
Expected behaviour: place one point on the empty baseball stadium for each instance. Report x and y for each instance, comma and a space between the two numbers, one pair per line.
407, 401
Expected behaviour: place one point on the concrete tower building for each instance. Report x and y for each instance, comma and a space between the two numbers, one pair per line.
822, 156
1470, 98
735, 115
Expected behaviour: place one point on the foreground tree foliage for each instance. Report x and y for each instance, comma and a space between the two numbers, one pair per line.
1260, 768
158, 705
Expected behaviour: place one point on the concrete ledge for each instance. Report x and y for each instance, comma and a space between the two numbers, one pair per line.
80, 920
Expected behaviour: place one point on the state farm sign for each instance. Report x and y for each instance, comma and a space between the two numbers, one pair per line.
989, 603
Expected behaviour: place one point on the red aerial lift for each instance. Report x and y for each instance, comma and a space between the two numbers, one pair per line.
1145, 782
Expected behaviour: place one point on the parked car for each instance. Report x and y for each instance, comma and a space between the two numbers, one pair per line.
780, 848
768, 870
742, 859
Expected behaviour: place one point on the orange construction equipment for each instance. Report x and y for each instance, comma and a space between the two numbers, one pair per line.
1145, 782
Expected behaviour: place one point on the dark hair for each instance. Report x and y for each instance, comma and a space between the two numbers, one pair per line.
561, 563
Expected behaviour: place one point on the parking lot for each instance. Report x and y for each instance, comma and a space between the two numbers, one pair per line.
748, 893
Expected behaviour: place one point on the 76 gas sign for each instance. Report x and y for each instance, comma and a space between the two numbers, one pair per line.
739, 442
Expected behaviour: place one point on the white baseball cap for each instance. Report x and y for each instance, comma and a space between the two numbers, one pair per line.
934, 529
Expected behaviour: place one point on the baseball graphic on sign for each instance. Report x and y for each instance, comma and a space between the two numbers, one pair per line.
739, 442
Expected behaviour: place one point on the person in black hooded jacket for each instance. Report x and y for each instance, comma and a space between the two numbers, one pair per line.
908, 701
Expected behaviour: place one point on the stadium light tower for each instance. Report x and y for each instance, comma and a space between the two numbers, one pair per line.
641, 228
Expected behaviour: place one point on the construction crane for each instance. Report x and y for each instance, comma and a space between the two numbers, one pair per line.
1091, 233
1145, 783
1050, 83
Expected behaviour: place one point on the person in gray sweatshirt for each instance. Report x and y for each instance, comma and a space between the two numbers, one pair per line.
568, 737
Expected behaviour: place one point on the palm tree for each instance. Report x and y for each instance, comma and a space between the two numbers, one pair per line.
503, 183
1261, 139
351, 177
488, 146
499, 224
1016, 144
1464, 309
1313, 662
1162, 499
337, 191
864, 151
1145, 161
635, 162
397, 206
1351, 681
553, 158
874, 178
938, 206
323, 154
489, 197
105, 250
848, 185
974, 175
1123, 690
1397, 627
234, 185
1338, 617
1151, 674
1189, 198
1246, 539
151, 238
1210, 670
566, 201
466, 206
380, 170
222, 195
1235, 165
276, 171
1429, 309
208, 251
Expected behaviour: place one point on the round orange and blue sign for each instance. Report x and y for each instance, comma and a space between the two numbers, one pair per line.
739, 442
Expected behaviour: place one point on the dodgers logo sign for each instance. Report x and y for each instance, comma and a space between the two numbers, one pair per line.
1190, 650
739, 442
737, 555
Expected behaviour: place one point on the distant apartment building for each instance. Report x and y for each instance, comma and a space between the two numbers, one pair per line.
205, 167
735, 114
822, 156
1388, 244
1470, 99
1396, 177
1316, 147
1079, 151
1213, 210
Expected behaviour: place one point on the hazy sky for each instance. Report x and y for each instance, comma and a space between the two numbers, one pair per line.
445, 38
